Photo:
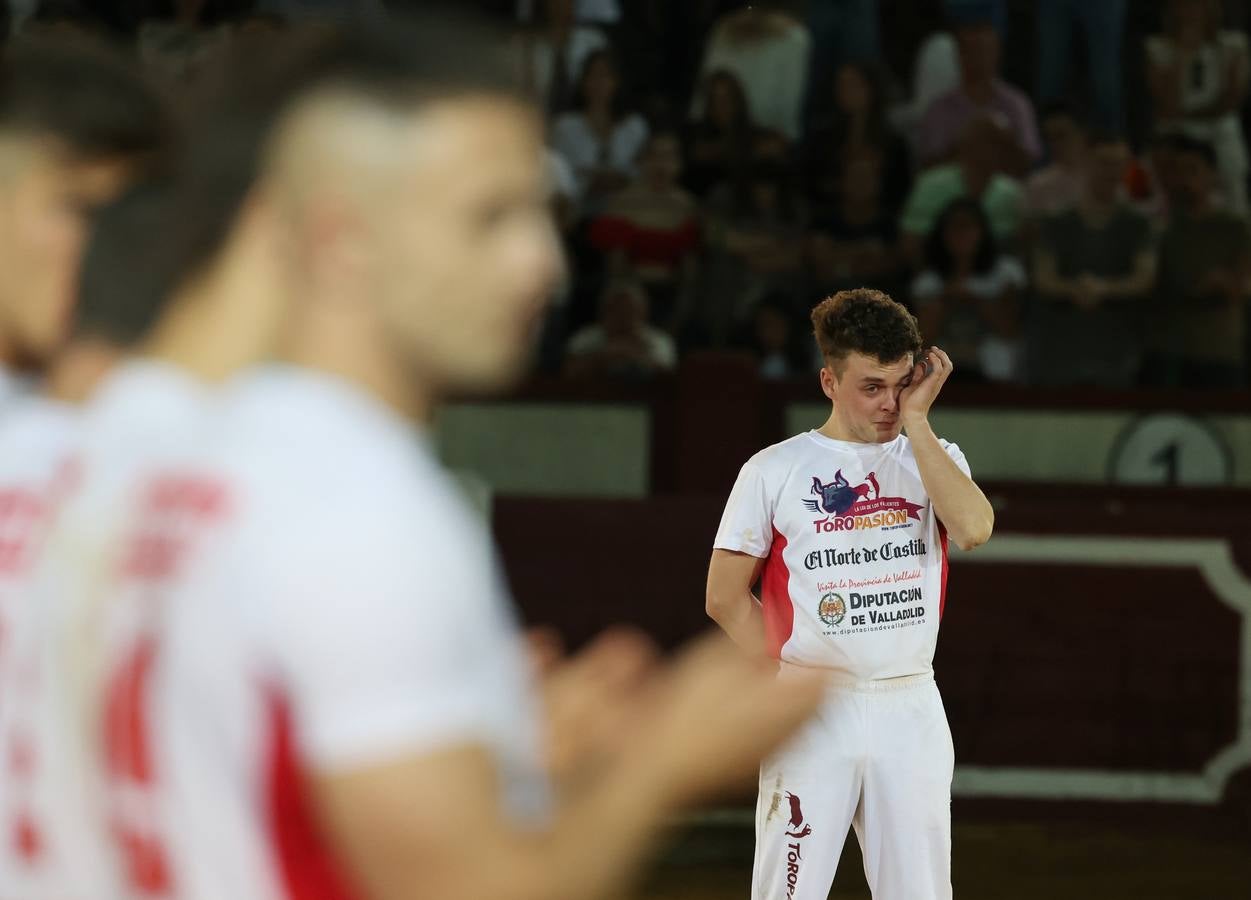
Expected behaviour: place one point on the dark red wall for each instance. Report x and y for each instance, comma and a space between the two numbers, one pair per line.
1041, 665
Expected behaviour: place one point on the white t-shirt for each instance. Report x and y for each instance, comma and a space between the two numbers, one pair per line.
12, 386
772, 65
855, 572
577, 142
309, 594
36, 435
140, 412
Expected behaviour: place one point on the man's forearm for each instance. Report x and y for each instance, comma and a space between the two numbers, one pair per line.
743, 620
958, 501
577, 859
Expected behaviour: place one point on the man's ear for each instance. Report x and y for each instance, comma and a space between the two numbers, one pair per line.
829, 382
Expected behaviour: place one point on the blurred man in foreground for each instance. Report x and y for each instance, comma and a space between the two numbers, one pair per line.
312, 682
76, 124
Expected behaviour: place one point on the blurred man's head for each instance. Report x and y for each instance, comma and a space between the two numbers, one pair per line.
1106, 161
76, 123
869, 343
407, 195
1065, 137
979, 46
623, 309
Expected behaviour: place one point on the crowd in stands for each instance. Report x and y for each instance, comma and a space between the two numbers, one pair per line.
1033, 238
717, 167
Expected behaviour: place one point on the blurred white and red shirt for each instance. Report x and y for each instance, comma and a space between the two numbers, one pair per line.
75, 468
855, 571
310, 593
36, 437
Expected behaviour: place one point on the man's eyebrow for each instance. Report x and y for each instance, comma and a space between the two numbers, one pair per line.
872, 379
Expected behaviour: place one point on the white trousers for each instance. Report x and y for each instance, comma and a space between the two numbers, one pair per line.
877, 757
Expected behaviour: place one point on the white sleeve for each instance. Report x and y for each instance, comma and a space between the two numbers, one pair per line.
390, 640
747, 523
957, 455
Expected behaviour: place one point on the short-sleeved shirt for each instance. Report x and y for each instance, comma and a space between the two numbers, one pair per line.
1002, 200
855, 569
577, 142
948, 115
1101, 346
12, 386
88, 457
1201, 328
309, 594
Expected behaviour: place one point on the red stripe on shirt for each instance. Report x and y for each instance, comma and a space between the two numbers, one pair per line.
306, 865
775, 593
942, 592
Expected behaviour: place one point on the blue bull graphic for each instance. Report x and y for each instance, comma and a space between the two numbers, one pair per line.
839, 495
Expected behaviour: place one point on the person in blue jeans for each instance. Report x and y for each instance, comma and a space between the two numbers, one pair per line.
1102, 25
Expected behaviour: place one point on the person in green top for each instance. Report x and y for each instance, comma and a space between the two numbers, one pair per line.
975, 173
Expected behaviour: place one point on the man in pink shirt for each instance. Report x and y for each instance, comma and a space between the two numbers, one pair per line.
981, 92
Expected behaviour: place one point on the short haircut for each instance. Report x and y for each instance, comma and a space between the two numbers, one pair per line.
123, 285
82, 93
867, 321
184, 222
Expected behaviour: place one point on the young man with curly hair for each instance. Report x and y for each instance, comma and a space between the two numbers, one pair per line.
846, 529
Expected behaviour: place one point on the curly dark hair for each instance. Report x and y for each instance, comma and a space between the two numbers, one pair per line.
864, 320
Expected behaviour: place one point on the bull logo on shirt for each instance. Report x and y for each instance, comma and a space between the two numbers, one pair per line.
839, 495
797, 828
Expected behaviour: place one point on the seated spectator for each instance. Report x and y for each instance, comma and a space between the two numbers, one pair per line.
1058, 186
553, 50
724, 140
857, 126
1199, 316
600, 138
768, 50
975, 174
650, 231
782, 346
621, 344
1094, 267
855, 244
1197, 73
755, 231
981, 93
967, 299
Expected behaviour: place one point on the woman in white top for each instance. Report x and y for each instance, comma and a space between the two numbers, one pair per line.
967, 298
1197, 73
599, 138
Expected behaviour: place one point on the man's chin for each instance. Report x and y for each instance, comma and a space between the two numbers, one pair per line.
887, 432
